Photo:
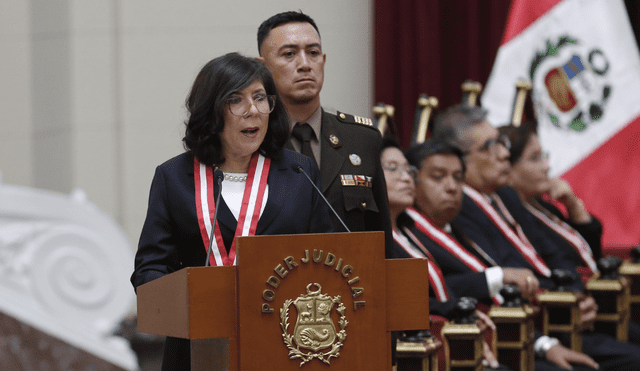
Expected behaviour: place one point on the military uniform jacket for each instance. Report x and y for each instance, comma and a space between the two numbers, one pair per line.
350, 148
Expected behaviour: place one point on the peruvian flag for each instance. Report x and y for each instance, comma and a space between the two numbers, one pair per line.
583, 61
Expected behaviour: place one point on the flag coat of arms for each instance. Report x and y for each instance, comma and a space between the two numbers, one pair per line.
583, 61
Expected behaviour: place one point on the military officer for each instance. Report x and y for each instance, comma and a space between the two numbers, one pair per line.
345, 147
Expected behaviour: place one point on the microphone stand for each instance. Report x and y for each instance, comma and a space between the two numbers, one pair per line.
218, 176
298, 169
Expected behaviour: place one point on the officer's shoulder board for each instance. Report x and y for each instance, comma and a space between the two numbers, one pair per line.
351, 119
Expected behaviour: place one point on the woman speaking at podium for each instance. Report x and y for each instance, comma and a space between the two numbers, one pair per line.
236, 130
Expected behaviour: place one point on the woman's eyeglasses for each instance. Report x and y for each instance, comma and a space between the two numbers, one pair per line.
395, 169
240, 106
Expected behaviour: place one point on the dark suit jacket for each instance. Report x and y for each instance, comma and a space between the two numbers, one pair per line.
361, 208
549, 250
170, 238
460, 279
475, 224
591, 232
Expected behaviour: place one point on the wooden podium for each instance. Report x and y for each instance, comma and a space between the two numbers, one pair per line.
292, 302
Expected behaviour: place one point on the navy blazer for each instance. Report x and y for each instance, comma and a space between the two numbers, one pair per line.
171, 239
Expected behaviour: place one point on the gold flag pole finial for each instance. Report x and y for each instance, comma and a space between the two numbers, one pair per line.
427, 105
470, 91
522, 89
383, 112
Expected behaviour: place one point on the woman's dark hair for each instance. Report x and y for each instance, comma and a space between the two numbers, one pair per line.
207, 101
388, 142
420, 152
519, 137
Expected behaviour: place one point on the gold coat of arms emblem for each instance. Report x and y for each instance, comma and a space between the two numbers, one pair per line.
314, 330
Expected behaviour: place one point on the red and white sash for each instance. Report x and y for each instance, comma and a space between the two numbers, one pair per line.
254, 191
519, 240
568, 234
445, 240
436, 279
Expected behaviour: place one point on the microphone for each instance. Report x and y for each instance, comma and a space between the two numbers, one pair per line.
218, 176
298, 169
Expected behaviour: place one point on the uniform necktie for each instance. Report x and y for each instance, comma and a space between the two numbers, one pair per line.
304, 134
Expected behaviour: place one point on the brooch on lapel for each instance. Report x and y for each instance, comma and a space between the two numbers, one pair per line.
333, 139
355, 159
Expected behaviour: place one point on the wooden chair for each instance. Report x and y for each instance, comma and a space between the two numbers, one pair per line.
612, 293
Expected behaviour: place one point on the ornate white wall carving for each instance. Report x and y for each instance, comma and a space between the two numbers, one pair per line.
64, 269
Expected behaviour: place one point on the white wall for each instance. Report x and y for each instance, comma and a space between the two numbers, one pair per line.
92, 91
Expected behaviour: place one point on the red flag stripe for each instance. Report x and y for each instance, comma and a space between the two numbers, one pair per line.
523, 13
606, 181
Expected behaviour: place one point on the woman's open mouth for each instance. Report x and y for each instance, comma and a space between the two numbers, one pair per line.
251, 132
